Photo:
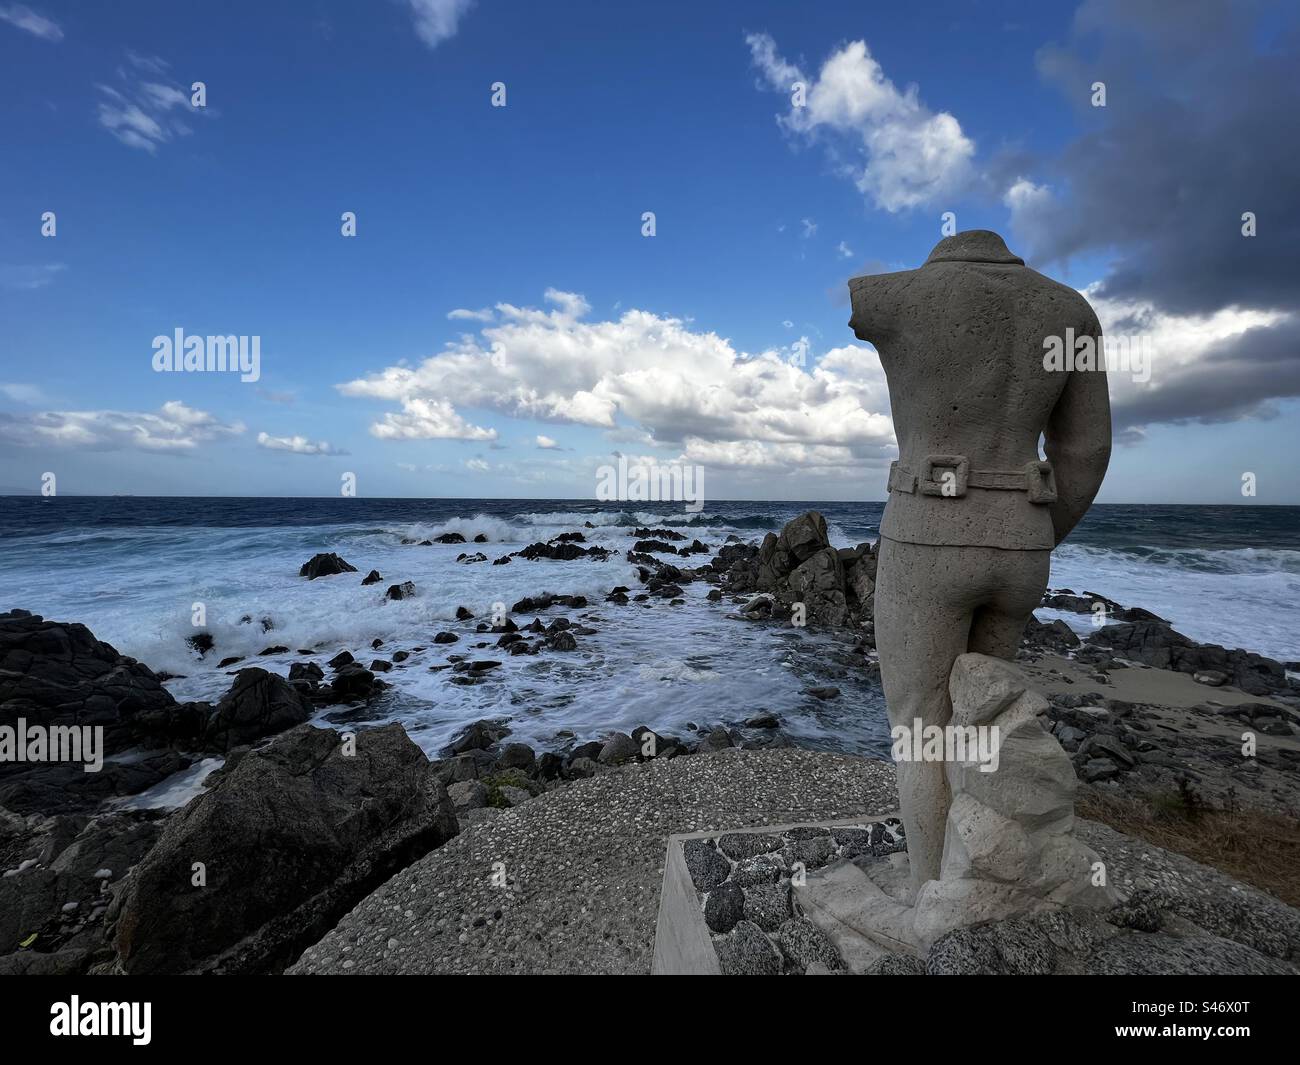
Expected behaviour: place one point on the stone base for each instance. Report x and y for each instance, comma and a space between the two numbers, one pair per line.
730, 902
863, 907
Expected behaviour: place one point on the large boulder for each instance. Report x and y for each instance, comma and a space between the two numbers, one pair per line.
258, 704
325, 565
778, 556
52, 673
58, 676
253, 871
818, 583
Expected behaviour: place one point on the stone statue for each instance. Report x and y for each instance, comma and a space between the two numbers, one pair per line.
974, 511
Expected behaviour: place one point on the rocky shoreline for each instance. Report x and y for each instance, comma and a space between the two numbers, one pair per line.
300, 822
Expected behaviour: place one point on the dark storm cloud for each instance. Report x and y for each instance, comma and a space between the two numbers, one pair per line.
1201, 124
1240, 379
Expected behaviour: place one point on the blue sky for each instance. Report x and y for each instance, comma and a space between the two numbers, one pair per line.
579, 337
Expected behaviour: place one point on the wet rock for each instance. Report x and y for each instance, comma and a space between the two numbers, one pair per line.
563, 641
405, 590
202, 642
290, 840
258, 704
480, 735
325, 565
618, 748
516, 756
372, 577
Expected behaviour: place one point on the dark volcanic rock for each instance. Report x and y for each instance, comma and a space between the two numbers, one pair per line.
479, 736
324, 565
54, 674
258, 704
564, 551
372, 577
202, 642
289, 841
724, 906
63, 897
449, 538
707, 867
405, 590
1120, 943
747, 952
803, 943
1156, 644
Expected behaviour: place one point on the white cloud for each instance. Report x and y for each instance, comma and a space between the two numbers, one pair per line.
422, 418
31, 21
29, 278
809, 227
680, 387
21, 393
477, 465
437, 20
844, 251
139, 113
460, 313
299, 445
910, 155
173, 427
546, 443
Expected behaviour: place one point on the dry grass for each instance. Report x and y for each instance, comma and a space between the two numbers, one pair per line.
1257, 847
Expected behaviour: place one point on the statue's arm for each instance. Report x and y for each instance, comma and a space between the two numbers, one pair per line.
875, 302
1077, 443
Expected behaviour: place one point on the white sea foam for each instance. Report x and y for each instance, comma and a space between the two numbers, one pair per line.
665, 666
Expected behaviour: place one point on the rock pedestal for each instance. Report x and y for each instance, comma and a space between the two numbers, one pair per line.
1009, 848
1009, 845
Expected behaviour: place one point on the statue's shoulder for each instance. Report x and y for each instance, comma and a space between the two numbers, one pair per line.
879, 302
1073, 304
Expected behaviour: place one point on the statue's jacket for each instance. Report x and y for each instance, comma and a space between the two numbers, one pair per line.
962, 342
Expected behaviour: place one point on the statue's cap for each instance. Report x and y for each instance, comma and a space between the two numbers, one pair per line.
973, 246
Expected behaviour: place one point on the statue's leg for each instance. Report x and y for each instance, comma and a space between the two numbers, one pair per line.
1021, 579
925, 598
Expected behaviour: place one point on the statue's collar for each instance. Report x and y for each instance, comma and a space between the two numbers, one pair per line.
973, 246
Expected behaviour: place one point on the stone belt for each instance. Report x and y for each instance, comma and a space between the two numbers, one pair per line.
951, 475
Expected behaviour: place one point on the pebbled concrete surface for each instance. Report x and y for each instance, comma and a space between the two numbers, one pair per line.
583, 865
569, 882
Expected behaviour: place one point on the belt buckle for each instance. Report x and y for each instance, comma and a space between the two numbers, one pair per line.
1040, 482
959, 466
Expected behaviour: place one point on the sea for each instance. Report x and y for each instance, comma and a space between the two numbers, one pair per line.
139, 571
